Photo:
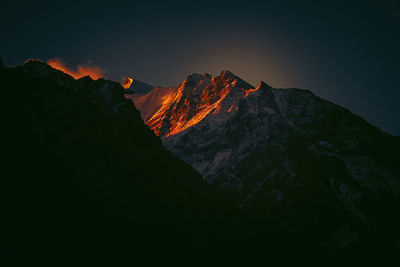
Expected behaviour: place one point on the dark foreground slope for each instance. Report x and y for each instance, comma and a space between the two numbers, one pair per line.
84, 185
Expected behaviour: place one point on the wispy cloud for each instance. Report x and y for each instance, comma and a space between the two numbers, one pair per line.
91, 70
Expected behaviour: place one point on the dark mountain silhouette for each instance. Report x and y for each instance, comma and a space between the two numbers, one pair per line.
86, 178
88, 183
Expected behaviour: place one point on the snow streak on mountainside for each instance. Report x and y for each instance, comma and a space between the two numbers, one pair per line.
275, 149
150, 103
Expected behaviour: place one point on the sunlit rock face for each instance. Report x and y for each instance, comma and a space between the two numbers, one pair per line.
182, 107
127, 83
281, 151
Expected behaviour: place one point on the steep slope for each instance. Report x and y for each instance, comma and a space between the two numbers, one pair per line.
150, 103
85, 178
285, 153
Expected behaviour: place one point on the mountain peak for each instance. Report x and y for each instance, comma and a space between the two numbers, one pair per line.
40, 69
262, 84
194, 76
226, 74
85, 78
34, 63
192, 79
35, 66
198, 97
227, 77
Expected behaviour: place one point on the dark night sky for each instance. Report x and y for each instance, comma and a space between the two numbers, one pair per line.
346, 52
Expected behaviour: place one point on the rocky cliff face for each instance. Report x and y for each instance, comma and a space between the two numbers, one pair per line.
281, 152
180, 108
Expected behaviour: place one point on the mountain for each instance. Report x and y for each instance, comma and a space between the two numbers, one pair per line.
87, 183
283, 174
43, 70
286, 154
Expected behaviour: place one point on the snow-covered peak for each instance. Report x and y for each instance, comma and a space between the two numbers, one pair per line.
197, 98
226, 74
